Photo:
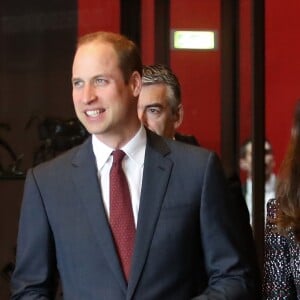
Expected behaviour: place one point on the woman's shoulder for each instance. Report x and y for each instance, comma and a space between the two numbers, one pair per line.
272, 211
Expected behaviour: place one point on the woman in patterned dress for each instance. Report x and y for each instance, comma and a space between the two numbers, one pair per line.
282, 234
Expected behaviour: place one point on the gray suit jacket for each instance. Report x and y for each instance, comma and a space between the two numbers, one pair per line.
188, 244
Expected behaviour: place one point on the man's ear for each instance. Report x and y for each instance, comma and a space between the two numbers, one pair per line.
135, 83
178, 116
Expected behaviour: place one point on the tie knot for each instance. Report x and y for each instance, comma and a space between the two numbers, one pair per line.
118, 155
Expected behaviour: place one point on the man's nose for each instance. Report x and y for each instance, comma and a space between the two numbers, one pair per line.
89, 94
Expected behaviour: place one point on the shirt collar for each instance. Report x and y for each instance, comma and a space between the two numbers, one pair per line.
135, 149
102, 152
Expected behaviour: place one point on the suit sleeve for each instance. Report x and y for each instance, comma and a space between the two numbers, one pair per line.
227, 240
34, 274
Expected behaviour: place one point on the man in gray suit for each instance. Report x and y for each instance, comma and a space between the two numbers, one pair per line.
187, 243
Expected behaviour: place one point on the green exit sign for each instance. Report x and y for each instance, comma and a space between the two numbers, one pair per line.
197, 40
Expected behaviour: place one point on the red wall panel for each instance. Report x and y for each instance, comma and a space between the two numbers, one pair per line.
282, 71
96, 15
198, 72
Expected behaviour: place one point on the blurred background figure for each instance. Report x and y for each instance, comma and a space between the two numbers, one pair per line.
159, 105
246, 166
282, 234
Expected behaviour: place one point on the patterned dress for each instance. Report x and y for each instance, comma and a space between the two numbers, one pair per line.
282, 262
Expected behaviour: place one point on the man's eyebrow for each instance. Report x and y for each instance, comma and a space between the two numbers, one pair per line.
154, 105
93, 77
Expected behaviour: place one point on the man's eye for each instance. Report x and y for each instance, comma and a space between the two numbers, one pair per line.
77, 83
100, 81
153, 110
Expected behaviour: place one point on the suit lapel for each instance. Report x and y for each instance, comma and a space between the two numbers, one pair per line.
157, 170
86, 182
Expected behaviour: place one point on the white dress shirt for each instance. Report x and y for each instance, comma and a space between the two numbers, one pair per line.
133, 165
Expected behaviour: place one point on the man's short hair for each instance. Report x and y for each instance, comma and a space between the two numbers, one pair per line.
126, 50
161, 74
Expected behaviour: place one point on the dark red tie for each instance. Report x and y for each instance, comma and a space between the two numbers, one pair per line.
121, 214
